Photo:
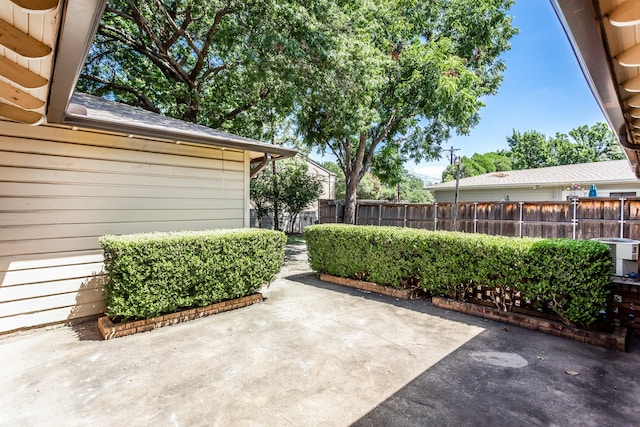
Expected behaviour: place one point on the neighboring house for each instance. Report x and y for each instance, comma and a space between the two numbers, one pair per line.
93, 167
328, 182
310, 215
612, 179
605, 36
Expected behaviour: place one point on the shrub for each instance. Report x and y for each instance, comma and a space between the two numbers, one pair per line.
365, 253
456, 263
569, 276
158, 273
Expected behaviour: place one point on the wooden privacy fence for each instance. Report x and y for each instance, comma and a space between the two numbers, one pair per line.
576, 219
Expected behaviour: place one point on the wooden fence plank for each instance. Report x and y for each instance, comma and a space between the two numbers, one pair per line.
595, 217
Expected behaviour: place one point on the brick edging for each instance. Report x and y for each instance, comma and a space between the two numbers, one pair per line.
616, 341
109, 330
371, 287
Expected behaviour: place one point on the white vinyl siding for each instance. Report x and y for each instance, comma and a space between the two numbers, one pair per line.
60, 189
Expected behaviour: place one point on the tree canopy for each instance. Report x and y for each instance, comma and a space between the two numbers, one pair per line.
407, 74
532, 149
584, 144
375, 82
372, 187
227, 64
479, 164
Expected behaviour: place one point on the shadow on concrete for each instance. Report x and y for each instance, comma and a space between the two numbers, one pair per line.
509, 376
518, 377
293, 251
86, 329
90, 299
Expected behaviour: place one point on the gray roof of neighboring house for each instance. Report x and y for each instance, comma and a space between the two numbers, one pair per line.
97, 113
614, 171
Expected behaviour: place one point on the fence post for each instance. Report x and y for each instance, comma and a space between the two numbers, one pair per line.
520, 222
574, 221
379, 214
336, 206
405, 215
475, 217
622, 199
357, 214
435, 216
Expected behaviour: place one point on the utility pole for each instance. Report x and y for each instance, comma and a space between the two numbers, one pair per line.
276, 220
451, 154
455, 200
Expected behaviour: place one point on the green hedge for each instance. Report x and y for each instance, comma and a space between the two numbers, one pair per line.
573, 276
569, 276
158, 273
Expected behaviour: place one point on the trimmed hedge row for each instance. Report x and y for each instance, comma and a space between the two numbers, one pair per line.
158, 273
570, 276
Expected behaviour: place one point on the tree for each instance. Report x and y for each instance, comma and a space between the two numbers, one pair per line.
261, 194
406, 74
411, 190
529, 150
373, 188
226, 64
584, 144
297, 188
291, 188
479, 164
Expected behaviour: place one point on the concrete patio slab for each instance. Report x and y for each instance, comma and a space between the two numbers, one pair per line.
316, 354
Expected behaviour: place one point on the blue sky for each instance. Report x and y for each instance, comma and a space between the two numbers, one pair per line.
543, 89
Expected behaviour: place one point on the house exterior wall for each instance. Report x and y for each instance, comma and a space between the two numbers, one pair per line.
529, 194
328, 184
61, 189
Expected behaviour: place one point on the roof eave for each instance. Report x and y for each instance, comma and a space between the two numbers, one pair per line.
78, 26
319, 166
176, 135
581, 22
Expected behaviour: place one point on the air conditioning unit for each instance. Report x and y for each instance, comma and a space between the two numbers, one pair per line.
624, 253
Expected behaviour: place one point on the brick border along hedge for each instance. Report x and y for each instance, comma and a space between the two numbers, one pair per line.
371, 287
109, 330
618, 340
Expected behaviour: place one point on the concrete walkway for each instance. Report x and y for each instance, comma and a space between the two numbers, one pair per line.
316, 354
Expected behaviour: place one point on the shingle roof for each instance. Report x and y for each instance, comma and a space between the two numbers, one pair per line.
614, 171
114, 116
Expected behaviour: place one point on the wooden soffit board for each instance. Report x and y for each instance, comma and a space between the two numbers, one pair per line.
620, 20
28, 33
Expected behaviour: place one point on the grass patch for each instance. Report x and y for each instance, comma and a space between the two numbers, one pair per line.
293, 239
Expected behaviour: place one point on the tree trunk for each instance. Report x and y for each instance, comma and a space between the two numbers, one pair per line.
353, 174
350, 200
